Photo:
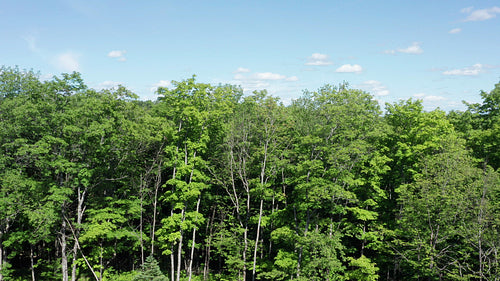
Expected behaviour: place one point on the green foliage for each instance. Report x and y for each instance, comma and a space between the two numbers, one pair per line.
222, 186
150, 271
365, 269
483, 127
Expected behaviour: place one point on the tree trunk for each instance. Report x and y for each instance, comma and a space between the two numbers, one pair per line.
306, 228
179, 248
2, 255
190, 268
155, 203
101, 265
172, 257
79, 217
257, 240
32, 263
141, 219
206, 267
64, 258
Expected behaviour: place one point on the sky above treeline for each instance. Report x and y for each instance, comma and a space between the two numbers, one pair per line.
443, 52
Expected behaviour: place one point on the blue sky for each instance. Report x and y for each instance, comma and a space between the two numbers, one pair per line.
442, 52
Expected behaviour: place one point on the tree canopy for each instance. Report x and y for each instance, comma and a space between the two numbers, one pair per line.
209, 183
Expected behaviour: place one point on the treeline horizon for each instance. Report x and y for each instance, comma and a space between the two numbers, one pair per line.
206, 183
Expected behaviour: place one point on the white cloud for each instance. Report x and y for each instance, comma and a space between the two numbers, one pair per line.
414, 49
467, 71
434, 98
269, 76
161, 83
374, 87
348, 68
241, 70
429, 98
262, 80
67, 62
318, 59
239, 76
467, 10
481, 14
265, 76
46, 77
108, 85
455, 31
118, 54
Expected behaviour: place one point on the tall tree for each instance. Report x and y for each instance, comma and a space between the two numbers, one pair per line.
196, 110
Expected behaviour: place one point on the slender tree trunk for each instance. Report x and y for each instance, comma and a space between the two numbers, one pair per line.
80, 249
101, 265
172, 256
79, 217
141, 240
257, 240
64, 258
245, 249
480, 219
155, 204
2, 255
236, 202
262, 184
172, 264
179, 248
206, 268
32, 263
306, 228
245, 235
190, 268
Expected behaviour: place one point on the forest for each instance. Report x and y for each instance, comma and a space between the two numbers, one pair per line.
208, 183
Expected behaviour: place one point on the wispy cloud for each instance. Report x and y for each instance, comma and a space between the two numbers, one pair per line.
374, 87
264, 76
429, 98
348, 68
318, 59
455, 31
414, 49
31, 40
67, 62
269, 76
261, 80
480, 14
118, 54
161, 83
108, 85
241, 70
474, 70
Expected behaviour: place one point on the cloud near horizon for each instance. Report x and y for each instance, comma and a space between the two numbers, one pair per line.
161, 83
241, 70
429, 98
261, 80
108, 85
374, 87
67, 62
474, 70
